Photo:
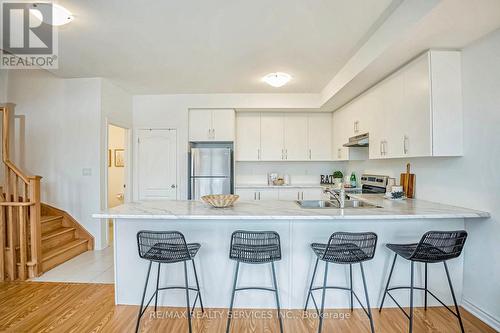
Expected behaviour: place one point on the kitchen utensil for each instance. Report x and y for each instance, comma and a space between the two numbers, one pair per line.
220, 200
408, 182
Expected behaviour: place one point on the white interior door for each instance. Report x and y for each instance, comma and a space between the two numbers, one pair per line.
157, 164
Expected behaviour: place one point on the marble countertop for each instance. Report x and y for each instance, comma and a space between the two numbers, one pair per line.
288, 210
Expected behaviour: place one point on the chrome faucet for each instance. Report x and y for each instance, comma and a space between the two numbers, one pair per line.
340, 197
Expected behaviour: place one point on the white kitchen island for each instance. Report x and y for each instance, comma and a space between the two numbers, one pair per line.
397, 222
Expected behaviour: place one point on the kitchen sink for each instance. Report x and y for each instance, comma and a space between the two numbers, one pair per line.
323, 204
317, 204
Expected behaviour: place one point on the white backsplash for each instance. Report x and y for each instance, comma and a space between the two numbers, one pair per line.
250, 173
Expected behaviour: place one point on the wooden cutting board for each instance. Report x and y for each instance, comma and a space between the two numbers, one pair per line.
408, 182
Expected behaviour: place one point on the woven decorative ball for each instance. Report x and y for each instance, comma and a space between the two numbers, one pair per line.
220, 200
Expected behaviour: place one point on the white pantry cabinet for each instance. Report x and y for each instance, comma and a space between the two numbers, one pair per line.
211, 125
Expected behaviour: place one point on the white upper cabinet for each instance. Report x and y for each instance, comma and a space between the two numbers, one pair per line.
211, 125
248, 136
223, 124
319, 136
272, 136
417, 111
295, 134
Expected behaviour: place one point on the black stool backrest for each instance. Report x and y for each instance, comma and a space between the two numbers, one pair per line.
162, 246
350, 247
438, 246
255, 247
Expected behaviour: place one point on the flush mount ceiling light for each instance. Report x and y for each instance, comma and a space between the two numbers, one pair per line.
60, 15
277, 79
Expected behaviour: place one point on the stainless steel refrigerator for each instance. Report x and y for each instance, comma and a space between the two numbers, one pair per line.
210, 169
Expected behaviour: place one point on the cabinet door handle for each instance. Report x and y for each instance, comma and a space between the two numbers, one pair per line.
255, 195
302, 195
213, 133
339, 153
385, 147
298, 195
405, 144
286, 154
310, 154
259, 195
381, 150
258, 154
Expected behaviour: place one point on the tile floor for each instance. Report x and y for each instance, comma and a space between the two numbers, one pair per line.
88, 267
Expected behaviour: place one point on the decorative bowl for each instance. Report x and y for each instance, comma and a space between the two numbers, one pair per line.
220, 200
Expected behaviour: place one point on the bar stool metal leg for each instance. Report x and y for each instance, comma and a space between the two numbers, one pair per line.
350, 285
198, 286
321, 314
411, 296
230, 313
143, 296
312, 281
366, 296
188, 307
454, 298
425, 287
157, 284
388, 281
275, 285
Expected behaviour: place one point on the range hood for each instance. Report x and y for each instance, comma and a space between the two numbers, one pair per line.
358, 141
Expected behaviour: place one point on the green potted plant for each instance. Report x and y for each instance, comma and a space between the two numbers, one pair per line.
338, 177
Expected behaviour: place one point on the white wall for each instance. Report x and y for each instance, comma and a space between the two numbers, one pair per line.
471, 181
171, 111
62, 139
299, 172
3, 85
66, 122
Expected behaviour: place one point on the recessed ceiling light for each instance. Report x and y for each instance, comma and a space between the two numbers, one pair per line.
277, 79
60, 15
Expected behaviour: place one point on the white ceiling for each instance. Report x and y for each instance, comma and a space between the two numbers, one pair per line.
214, 46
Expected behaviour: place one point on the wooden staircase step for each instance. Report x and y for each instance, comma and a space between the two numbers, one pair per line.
51, 222
57, 237
62, 253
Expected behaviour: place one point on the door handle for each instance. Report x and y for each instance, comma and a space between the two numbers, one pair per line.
405, 147
259, 195
255, 195
310, 154
172, 186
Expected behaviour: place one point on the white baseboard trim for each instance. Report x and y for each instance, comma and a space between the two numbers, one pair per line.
481, 314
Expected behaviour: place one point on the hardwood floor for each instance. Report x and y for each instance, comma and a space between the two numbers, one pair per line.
62, 307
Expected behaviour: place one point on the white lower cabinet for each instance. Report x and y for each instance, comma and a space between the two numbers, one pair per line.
257, 194
284, 194
288, 194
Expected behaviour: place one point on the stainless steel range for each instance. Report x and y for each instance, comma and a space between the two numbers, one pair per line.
373, 184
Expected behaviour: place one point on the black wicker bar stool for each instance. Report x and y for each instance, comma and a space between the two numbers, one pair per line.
168, 247
434, 247
347, 249
255, 247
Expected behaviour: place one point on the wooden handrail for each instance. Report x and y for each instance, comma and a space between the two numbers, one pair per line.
20, 214
17, 204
